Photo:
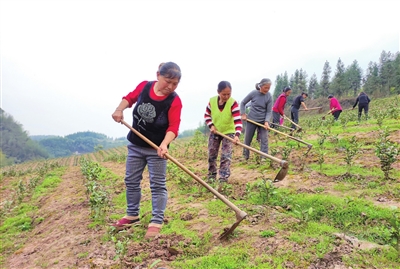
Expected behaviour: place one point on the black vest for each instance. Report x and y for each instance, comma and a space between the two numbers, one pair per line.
150, 118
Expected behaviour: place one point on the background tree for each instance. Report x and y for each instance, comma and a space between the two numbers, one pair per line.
15, 142
281, 82
353, 76
302, 83
313, 86
372, 80
339, 84
325, 80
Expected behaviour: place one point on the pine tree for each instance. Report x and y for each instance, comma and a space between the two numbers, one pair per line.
279, 86
353, 76
302, 84
312, 86
372, 81
339, 84
325, 79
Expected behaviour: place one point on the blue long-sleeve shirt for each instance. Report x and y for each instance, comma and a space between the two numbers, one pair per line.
261, 106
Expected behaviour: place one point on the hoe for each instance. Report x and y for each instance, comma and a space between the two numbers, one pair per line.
289, 136
240, 215
284, 164
295, 124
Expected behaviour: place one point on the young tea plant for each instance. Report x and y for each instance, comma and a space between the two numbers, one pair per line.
321, 158
321, 139
379, 116
395, 229
303, 214
387, 151
352, 148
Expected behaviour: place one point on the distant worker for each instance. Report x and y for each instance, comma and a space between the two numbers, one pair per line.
294, 111
260, 112
335, 107
278, 110
363, 103
222, 115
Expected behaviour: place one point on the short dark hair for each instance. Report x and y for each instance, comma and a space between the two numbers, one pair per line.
223, 84
330, 96
286, 89
170, 70
306, 94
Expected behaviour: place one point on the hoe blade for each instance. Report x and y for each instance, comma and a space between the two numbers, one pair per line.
239, 217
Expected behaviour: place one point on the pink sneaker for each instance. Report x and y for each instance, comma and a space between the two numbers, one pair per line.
152, 232
124, 223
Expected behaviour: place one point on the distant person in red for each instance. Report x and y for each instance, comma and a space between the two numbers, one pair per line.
157, 116
279, 107
334, 106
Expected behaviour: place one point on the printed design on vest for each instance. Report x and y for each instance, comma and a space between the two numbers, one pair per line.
147, 113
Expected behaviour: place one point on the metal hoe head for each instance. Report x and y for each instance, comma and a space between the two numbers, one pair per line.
240, 215
309, 148
283, 172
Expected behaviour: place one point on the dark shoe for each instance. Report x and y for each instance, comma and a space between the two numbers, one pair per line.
223, 180
124, 223
211, 179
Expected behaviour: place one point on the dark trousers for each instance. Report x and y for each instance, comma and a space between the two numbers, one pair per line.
360, 109
294, 114
336, 114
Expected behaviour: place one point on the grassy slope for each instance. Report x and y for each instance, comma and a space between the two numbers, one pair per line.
296, 223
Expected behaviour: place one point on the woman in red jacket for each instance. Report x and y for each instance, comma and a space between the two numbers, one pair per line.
335, 107
279, 107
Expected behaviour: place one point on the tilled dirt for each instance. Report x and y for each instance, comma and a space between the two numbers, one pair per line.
62, 239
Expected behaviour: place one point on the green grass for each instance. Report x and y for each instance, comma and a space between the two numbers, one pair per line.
14, 228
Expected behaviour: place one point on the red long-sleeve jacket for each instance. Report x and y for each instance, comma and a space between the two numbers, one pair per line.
279, 105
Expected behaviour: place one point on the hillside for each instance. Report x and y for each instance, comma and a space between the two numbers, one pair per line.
336, 207
17, 146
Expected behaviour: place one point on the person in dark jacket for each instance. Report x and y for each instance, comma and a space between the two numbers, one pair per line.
294, 111
362, 101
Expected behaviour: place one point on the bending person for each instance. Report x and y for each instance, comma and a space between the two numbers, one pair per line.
363, 103
260, 112
278, 110
294, 111
156, 115
222, 115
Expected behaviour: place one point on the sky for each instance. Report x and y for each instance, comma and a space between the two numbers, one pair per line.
65, 65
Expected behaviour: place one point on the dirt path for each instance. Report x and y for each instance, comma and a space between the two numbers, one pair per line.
63, 239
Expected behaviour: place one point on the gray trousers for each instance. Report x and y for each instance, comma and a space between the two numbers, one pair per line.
248, 137
275, 119
138, 158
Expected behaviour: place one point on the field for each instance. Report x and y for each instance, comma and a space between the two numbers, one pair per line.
338, 206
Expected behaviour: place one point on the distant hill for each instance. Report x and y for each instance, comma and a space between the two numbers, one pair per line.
16, 146
78, 143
